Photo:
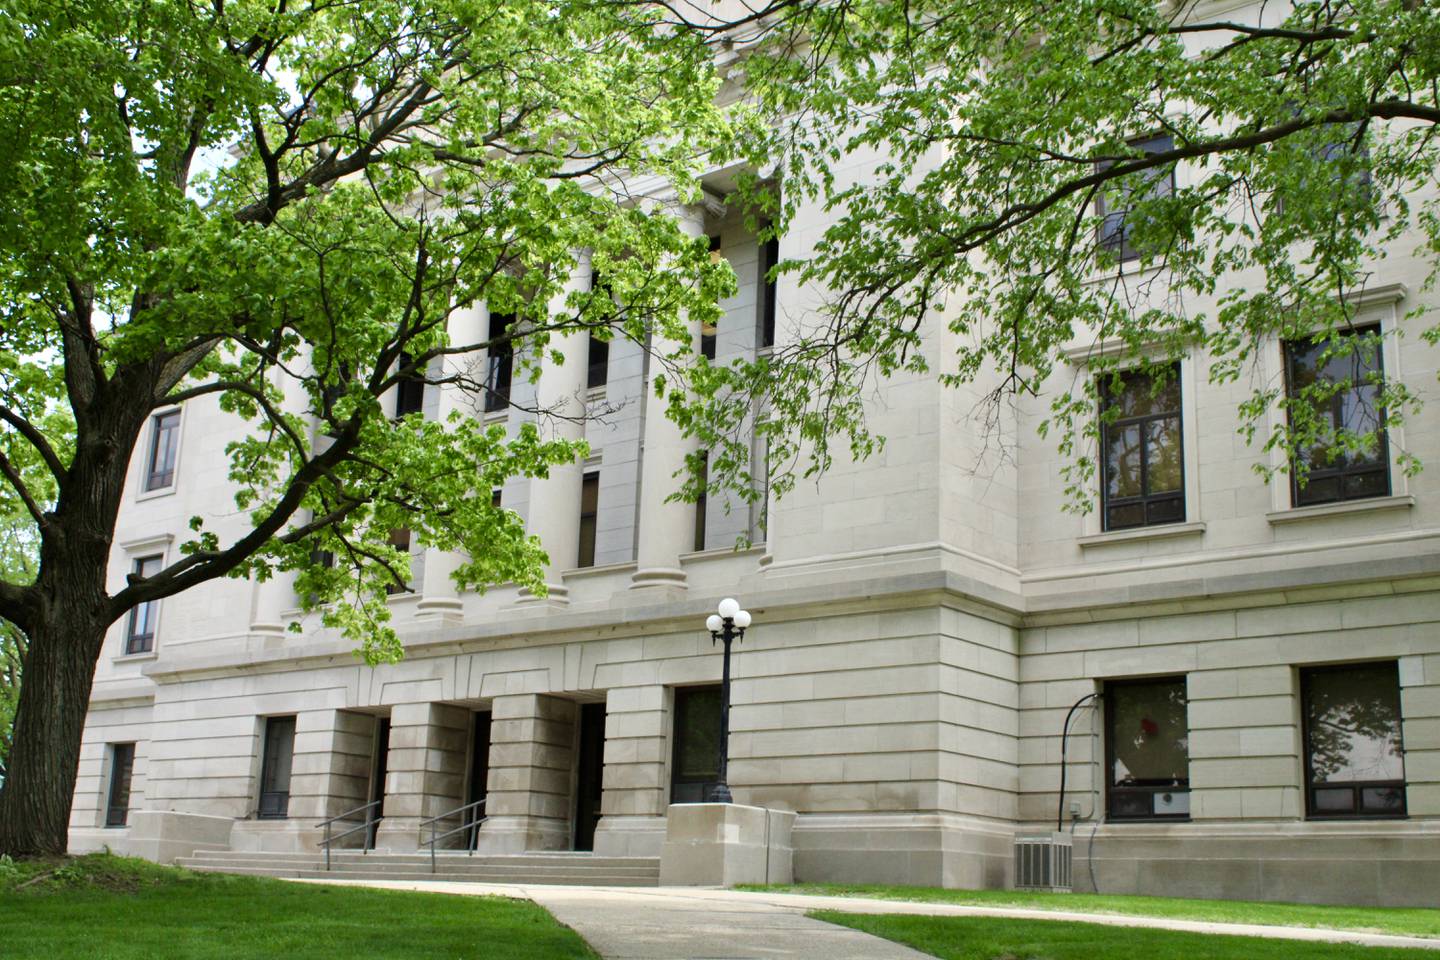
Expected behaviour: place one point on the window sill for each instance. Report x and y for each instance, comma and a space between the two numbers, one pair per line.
156, 493
495, 416
1148, 821
134, 657
1159, 532
1373, 505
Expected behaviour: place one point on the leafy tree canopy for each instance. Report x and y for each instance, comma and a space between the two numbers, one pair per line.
1154, 175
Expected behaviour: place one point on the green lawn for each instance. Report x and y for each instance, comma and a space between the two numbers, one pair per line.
110, 908
1414, 922
992, 938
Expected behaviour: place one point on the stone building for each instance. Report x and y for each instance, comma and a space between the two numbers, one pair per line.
1268, 659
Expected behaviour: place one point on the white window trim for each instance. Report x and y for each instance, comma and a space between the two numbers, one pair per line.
159, 544
1375, 304
1094, 532
143, 471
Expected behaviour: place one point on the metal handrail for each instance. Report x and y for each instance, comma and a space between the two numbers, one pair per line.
465, 824
348, 814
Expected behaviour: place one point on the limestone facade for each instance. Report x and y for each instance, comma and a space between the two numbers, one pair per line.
923, 623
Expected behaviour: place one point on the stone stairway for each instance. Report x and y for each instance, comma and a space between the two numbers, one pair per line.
568, 868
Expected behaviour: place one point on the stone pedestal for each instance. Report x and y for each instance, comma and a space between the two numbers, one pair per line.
724, 844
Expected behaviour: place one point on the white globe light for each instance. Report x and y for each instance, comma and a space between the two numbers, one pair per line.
729, 607
742, 619
713, 623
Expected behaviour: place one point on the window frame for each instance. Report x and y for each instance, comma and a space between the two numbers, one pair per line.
278, 810
1344, 471
1357, 786
1110, 687
1120, 247
409, 390
118, 814
151, 609
499, 365
769, 257
1106, 399
151, 482
582, 561
678, 697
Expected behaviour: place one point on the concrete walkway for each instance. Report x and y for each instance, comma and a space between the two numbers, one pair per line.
688, 923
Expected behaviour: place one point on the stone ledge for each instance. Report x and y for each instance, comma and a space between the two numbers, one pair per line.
1163, 532
1374, 505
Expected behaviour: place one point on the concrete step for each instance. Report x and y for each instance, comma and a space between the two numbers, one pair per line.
597, 880
559, 867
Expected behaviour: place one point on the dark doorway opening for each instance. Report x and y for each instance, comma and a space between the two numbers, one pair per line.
479, 774
591, 768
377, 778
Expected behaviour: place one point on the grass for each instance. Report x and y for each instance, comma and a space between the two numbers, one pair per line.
1405, 921
991, 938
102, 907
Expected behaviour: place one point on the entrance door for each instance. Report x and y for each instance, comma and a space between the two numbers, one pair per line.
591, 768
377, 778
479, 773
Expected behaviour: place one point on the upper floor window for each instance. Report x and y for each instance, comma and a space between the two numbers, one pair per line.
410, 391
1354, 761
589, 511
399, 538
164, 444
1142, 459
140, 632
598, 372
1147, 748
1334, 388
501, 364
1114, 204
769, 256
700, 502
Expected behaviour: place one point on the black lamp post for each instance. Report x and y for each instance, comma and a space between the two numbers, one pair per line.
726, 626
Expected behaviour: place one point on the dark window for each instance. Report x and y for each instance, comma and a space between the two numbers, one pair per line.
589, 509
1340, 393
501, 364
700, 502
1353, 756
410, 391
769, 256
400, 540
695, 762
1147, 750
122, 765
1142, 459
275, 768
598, 373
164, 444
140, 635
497, 498
709, 330
1113, 205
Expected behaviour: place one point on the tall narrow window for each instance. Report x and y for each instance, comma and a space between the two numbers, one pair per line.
695, 762
700, 502
410, 391
598, 371
122, 765
769, 256
1354, 761
708, 330
140, 632
1147, 748
164, 444
1143, 474
399, 539
1117, 227
1334, 388
589, 511
275, 767
501, 364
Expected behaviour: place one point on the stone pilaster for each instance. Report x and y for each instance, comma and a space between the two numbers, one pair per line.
667, 529
532, 755
425, 770
636, 782
555, 499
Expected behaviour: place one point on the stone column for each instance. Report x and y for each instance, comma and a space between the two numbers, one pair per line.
273, 597
555, 499
532, 756
439, 597
667, 529
425, 770
636, 784
331, 770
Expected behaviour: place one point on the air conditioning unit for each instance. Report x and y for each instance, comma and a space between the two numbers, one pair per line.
1042, 862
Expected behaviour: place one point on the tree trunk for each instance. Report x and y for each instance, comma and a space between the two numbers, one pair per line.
54, 698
